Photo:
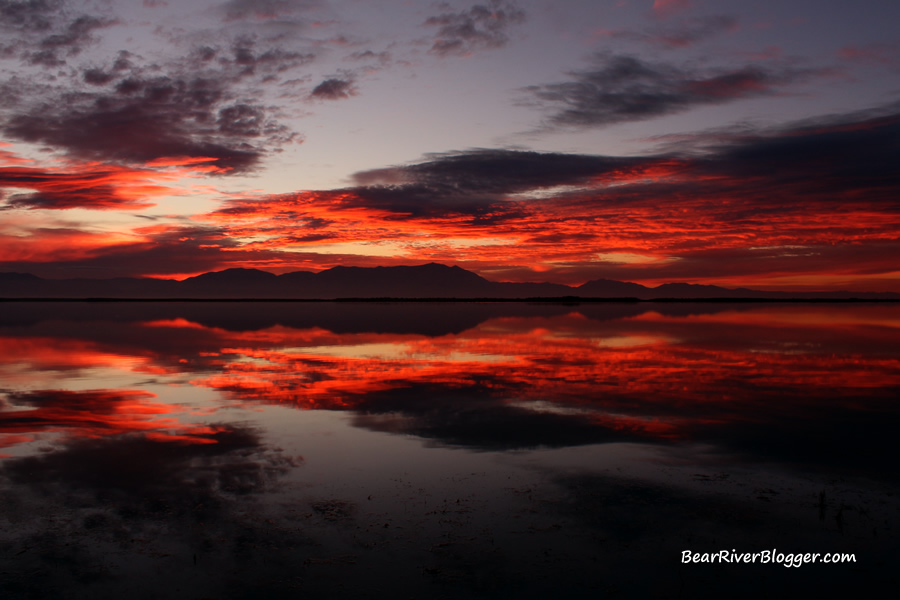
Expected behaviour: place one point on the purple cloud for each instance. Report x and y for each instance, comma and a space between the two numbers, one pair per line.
480, 27
620, 88
334, 89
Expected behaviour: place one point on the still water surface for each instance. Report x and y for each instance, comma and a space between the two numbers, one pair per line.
472, 450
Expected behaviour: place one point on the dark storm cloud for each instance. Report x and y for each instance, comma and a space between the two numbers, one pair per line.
334, 89
142, 119
476, 182
427, 201
766, 173
808, 187
824, 158
621, 88
484, 26
830, 159
497, 171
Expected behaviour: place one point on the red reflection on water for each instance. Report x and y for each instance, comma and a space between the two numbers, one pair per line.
93, 414
526, 363
653, 375
54, 354
7, 440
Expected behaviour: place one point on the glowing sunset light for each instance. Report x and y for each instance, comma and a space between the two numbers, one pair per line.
652, 375
652, 142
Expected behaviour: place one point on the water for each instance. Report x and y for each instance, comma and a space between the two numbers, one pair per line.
471, 450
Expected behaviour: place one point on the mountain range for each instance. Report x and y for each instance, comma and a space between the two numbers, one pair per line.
419, 282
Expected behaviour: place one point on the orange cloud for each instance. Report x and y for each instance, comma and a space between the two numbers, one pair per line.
90, 185
57, 244
780, 209
664, 226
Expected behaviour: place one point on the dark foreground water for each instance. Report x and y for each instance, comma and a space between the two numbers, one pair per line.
477, 450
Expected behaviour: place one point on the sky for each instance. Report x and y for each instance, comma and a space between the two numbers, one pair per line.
751, 144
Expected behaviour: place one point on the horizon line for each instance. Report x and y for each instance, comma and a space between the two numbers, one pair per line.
456, 266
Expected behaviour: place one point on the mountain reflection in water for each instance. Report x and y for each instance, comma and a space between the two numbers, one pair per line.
227, 450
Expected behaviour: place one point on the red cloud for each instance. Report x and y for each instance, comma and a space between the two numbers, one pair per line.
90, 185
788, 209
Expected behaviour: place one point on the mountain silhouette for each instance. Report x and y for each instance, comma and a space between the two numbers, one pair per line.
427, 281
608, 288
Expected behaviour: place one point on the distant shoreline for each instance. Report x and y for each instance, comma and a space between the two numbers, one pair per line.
432, 282
542, 300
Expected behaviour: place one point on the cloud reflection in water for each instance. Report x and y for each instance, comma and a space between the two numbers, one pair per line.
164, 422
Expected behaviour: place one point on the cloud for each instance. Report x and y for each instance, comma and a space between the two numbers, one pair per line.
142, 119
265, 10
200, 101
664, 9
739, 207
473, 186
685, 34
170, 249
829, 156
495, 171
622, 88
750, 206
95, 76
77, 33
91, 186
61, 248
29, 16
478, 28
46, 32
383, 57
878, 54
478, 179
246, 60
334, 89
